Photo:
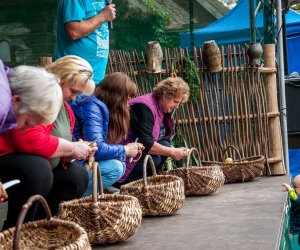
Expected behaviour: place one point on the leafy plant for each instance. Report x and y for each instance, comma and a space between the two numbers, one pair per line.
178, 141
191, 76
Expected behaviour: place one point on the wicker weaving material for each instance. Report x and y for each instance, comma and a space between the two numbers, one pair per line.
245, 169
159, 194
107, 218
199, 180
44, 234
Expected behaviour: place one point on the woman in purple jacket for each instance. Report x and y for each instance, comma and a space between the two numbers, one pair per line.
151, 122
104, 117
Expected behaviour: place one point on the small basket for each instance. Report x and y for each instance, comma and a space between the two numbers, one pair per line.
43, 234
199, 180
107, 218
243, 170
158, 194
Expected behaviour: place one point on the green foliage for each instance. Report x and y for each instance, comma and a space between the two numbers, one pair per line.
177, 141
191, 76
139, 22
161, 20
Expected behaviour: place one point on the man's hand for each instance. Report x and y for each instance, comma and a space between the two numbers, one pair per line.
108, 13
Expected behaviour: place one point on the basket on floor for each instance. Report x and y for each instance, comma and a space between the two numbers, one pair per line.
107, 218
43, 234
199, 180
245, 169
158, 194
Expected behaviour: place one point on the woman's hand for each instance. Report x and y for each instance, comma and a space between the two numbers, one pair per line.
131, 149
82, 151
3, 194
179, 153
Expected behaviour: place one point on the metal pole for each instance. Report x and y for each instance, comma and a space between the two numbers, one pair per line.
282, 87
191, 12
252, 22
285, 51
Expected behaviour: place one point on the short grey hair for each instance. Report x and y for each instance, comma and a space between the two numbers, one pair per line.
172, 87
39, 91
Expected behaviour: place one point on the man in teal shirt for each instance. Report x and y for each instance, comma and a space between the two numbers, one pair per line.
82, 30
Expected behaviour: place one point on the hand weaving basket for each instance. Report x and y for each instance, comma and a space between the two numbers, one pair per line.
245, 169
159, 194
107, 218
43, 234
199, 180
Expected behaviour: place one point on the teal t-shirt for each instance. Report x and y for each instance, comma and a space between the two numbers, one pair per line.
94, 47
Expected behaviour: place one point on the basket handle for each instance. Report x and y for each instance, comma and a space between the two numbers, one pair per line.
190, 151
235, 149
23, 214
97, 179
148, 158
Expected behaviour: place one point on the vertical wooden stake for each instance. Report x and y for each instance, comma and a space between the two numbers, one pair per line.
275, 138
44, 61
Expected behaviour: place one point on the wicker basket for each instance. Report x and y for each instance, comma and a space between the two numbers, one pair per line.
199, 180
245, 169
43, 234
107, 218
159, 194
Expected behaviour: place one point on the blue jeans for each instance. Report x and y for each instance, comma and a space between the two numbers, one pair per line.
111, 171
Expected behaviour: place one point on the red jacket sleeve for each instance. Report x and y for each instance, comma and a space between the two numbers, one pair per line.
37, 140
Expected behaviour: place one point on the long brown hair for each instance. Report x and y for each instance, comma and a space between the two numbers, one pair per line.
115, 90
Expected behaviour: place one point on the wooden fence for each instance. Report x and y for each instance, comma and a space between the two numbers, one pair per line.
236, 106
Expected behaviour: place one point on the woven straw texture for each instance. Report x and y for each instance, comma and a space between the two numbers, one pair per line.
245, 169
199, 180
107, 218
43, 234
159, 194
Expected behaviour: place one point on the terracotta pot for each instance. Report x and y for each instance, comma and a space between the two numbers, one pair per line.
212, 56
254, 53
154, 56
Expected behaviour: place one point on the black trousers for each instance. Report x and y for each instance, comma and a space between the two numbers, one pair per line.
37, 177
137, 172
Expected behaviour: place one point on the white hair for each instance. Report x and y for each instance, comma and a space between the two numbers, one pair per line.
39, 91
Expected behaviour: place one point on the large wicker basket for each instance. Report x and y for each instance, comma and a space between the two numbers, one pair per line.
245, 169
107, 218
43, 234
159, 194
199, 180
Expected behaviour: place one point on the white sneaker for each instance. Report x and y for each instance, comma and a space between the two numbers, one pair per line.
113, 190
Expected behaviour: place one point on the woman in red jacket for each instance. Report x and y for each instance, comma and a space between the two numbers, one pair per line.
26, 155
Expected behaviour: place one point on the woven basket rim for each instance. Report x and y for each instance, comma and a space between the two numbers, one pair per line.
140, 182
251, 159
53, 222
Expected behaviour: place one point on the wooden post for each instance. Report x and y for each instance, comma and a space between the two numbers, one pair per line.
44, 60
275, 138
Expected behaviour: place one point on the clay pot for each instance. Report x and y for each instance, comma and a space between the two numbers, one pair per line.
212, 56
254, 53
154, 56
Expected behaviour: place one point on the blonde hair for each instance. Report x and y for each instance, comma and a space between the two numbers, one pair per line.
75, 71
172, 87
39, 92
